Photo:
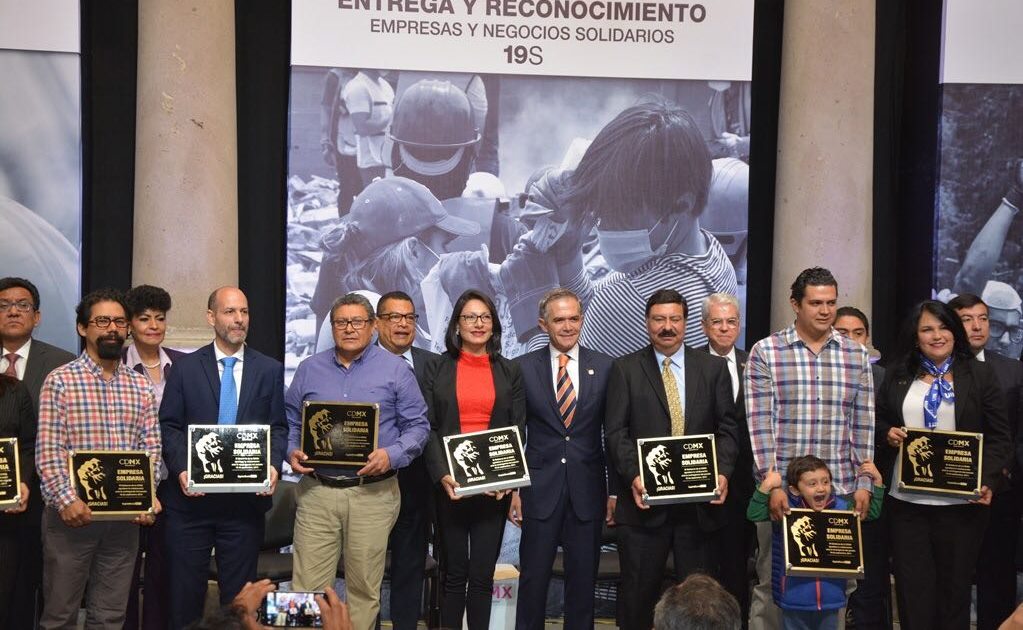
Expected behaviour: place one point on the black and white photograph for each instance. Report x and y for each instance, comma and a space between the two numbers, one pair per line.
436, 182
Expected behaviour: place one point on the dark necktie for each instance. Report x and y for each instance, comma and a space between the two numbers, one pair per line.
566, 393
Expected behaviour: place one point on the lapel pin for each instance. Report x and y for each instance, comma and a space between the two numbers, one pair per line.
590, 371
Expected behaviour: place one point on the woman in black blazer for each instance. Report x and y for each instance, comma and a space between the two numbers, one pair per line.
938, 384
17, 420
470, 388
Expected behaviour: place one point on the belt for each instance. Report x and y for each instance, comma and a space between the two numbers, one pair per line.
351, 482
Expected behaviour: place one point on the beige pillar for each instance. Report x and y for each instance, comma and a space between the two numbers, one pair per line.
824, 202
186, 160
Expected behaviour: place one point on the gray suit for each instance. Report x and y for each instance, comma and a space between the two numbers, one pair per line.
42, 359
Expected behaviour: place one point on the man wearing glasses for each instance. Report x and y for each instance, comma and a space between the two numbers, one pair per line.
396, 332
93, 403
350, 510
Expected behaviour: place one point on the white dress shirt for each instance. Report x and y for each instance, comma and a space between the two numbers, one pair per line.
573, 367
733, 367
19, 365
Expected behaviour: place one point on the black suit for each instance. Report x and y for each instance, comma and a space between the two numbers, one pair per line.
637, 407
408, 540
233, 523
996, 566
479, 520
566, 503
935, 548
43, 358
17, 420
738, 537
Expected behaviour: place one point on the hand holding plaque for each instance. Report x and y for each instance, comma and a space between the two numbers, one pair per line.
679, 469
822, 544
10, 474
944, 463
229, 458
339, 434
486, 461
114, 485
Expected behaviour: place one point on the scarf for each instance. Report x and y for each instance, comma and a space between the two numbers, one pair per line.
940, 389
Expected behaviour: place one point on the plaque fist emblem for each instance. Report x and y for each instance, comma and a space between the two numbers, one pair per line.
657, 462
920, 454
803, 533
468, 457
320, 426
91, 476
209, 448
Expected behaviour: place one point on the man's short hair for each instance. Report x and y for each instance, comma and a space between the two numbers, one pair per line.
667, 296
146, 296
852, 311
718, 299
966, 300
12, 282
698, 603
350, 299
393, 295
84, 309
814, 276
556, 294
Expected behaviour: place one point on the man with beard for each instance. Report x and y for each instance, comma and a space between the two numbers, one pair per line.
692, 395
94, 402
225, 382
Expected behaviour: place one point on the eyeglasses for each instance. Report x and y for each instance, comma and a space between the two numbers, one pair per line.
999, 328
104, 322
660, 320
22, 306
472, 318
394, 318
342, 324
731, 322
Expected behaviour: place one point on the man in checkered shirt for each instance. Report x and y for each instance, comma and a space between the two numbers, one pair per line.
93, 403
808, 390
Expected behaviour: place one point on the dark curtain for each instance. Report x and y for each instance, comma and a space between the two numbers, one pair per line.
907, 106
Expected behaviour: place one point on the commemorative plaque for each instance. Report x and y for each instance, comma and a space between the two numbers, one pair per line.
10, 473
486, 461
339, 434
229, 457
680, 469
946, 463
822, 544
116, 485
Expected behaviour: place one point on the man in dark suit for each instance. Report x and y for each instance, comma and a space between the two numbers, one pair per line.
231, 523
661, 390
396, 332
996, 565
567, 502
721, 323
31, 361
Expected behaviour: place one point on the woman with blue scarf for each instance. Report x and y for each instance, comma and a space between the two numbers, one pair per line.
936, 383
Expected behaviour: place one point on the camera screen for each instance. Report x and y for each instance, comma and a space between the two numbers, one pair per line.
282, 609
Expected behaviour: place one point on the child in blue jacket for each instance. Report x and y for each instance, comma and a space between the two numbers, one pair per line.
807, 603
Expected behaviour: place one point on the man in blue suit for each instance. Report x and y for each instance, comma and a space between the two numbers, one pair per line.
231, 523
568, 502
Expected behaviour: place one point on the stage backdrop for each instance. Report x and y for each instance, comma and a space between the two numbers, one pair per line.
40, 157
490, 107
979, 234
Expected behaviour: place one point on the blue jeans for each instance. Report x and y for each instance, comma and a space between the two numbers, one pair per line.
809, 619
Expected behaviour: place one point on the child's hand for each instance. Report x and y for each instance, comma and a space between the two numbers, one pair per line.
868, 468
772, 480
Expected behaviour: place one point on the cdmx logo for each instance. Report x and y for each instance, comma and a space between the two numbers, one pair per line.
804, 533
91, 476
209, 449
320, 426
468, 457
658, 461
920, 454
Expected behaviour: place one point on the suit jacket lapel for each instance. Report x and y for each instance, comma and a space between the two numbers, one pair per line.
542, 368
34, 377
962, 382
691, 378
209, 364
653, 374
248, 386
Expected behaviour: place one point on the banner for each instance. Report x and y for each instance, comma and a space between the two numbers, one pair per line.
40, 158
979, 235
522, 145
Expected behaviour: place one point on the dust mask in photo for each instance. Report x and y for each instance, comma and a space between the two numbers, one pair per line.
627, 250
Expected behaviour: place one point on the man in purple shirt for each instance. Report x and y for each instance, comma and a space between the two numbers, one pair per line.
352, 510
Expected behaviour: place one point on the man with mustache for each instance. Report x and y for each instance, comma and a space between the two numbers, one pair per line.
225, 382
808, 389
692, 394
93, 403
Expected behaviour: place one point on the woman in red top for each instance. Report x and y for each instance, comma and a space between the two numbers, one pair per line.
471, 388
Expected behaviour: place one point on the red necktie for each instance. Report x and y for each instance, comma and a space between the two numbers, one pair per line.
566, 393
11, 369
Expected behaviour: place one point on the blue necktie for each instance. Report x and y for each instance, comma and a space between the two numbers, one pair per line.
228, 396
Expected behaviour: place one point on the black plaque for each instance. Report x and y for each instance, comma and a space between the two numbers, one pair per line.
116, 485
229, 457
681, 469
339, 434
823, 544
486, 461
10, 473
945, 463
